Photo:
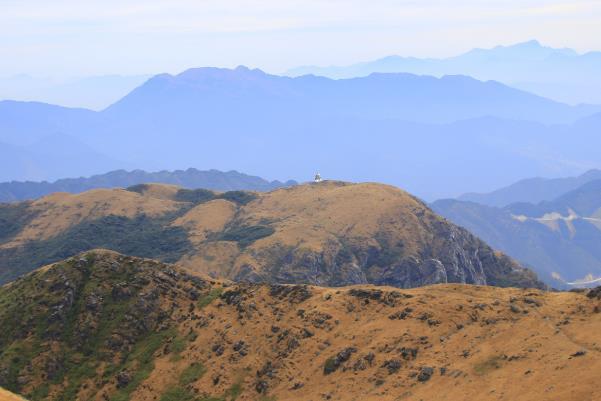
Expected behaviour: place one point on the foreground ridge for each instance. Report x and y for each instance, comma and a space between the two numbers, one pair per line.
104, 326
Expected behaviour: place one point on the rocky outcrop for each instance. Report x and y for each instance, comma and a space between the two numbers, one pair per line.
453, 256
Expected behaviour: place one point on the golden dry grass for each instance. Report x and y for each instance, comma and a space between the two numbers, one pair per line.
487, 351
312, 221
309, 218
210, 217
6, 395
60, 211
482, 343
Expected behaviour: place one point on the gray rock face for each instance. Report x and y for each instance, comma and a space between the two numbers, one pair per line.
453, 255
425, 374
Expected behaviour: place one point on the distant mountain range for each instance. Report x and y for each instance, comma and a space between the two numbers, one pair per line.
190, 178
420, 133
559, 239
397, 96
532, 190
560, 74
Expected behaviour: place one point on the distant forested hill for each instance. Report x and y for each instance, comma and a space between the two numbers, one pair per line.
190, 178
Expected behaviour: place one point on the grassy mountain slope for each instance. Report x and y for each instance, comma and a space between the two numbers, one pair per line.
331, 233
102, 326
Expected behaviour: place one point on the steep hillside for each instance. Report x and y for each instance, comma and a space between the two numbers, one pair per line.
190, 178
559, 239
102, 326
331, 233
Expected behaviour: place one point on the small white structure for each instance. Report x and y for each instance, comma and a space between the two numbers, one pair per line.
317, 178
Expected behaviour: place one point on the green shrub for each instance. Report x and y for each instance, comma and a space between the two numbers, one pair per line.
143, 236
139, 188
246, 235
177, 394
142, 360
195, 196
198, 196
192, 373
234, 392
210, 297
13, 218
39, 393
239, 197
488, 365
329, 366
177, 346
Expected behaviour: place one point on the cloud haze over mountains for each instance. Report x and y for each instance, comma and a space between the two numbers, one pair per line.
563, 75
560, 74
94, 92
436, 137
558, 237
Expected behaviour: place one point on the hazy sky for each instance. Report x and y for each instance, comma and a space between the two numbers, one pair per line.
89, 37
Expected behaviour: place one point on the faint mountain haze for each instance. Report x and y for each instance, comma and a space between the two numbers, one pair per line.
91, 92
532, 190
560, 74
557, 238
421, 133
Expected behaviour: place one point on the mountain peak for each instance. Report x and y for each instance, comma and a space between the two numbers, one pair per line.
530, 44
269, 237
212, 73
529, 50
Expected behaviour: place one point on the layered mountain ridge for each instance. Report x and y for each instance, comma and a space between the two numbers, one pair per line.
172, 122
561, 74
532, 190
189, 179
558, 238
330, 233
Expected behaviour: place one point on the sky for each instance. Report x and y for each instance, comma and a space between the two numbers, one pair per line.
65, 38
